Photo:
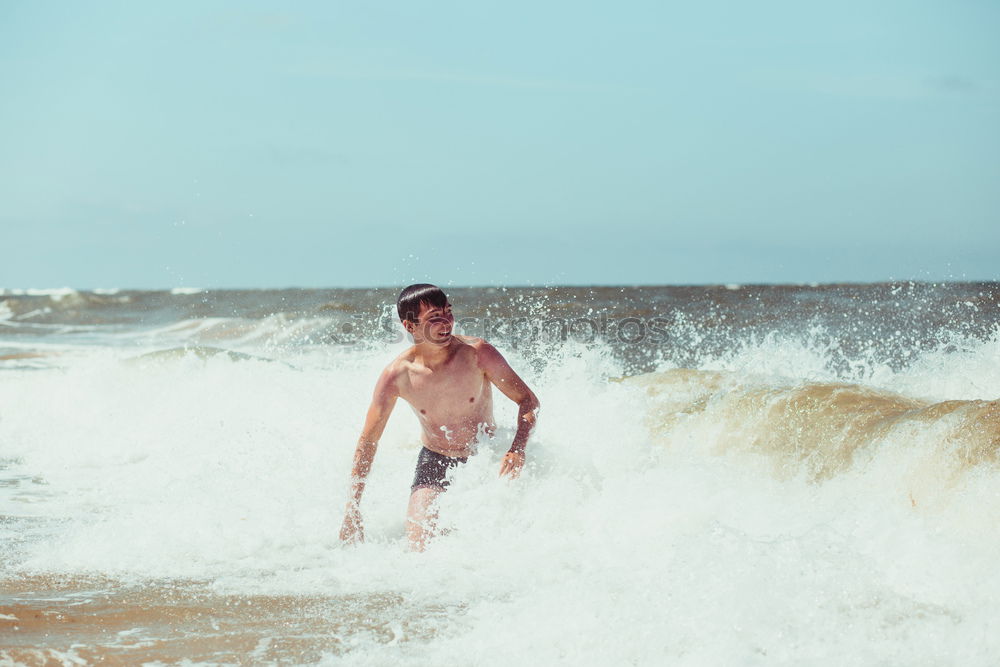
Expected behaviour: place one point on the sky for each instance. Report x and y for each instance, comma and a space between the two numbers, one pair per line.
344, 144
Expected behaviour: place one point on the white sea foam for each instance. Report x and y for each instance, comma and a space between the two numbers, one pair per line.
958, 368
268, 334
614, 548
186, 290
57, 293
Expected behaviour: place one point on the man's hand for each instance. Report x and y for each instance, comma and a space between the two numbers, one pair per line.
512, 464
353, 530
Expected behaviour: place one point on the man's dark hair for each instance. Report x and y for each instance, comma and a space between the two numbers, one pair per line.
408, 303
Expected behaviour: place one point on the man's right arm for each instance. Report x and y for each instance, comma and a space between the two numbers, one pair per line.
383, 400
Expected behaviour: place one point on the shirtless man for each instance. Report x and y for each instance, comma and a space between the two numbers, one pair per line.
446, 380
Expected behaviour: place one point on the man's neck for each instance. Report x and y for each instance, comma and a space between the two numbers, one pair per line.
433, 355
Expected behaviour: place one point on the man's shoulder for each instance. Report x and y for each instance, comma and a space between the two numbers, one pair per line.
400, 364
472, 341
480, 345
484, 351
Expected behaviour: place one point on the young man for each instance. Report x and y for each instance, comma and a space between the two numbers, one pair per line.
446, 379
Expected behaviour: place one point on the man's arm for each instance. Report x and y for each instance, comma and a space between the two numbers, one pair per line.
513, 387
383, 400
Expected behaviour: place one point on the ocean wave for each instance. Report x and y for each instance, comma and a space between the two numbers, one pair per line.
786, 515
821, 429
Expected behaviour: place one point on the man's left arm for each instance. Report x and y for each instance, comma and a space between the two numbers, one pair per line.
513, 387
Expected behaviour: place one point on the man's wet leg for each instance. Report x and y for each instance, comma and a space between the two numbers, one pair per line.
421, 516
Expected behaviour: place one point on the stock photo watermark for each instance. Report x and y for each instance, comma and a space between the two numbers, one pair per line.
520, 330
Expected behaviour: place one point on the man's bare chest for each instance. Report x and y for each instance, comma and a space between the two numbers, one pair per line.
458, 383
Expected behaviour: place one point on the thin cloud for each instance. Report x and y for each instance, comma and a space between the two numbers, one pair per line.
954, 84
253, 20
302, 156
322, 71
892, 86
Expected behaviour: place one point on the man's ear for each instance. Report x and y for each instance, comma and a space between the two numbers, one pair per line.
409, 326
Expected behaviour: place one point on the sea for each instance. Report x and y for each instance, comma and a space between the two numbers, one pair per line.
720, 475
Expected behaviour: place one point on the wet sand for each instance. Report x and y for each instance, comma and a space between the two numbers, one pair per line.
51, 621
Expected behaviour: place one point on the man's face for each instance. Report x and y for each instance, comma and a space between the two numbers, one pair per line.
433, 324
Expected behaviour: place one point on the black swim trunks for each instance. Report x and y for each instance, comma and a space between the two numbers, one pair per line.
432, 468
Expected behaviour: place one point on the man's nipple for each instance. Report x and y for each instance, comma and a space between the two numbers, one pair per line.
472, 399
422, 411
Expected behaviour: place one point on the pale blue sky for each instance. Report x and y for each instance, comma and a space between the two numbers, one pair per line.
254, 144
